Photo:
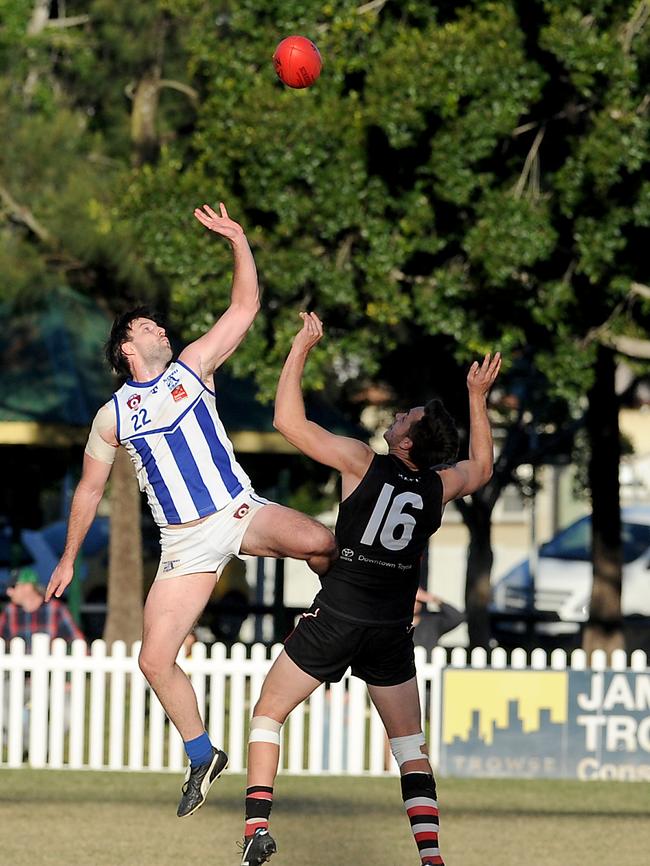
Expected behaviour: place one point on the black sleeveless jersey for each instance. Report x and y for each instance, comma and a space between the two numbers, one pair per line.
382, 530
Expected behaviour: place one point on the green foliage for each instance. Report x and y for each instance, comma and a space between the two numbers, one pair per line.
510, 234
474, 173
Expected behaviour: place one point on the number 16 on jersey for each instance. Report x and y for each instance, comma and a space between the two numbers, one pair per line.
388, 514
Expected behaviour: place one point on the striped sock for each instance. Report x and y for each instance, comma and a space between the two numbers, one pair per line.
419, 795
259, 799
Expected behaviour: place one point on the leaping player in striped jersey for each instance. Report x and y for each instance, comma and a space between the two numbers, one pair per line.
165, 416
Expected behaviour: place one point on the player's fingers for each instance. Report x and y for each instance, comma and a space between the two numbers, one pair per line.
494, 366
222, 209
201, 217
210, 212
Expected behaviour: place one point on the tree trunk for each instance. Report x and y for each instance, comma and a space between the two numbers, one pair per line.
144, 134
604, 629
146, 95
125, 576
478, 519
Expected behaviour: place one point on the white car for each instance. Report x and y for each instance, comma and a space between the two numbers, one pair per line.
563, 579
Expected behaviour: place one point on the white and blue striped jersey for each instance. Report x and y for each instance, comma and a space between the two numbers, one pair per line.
182, 456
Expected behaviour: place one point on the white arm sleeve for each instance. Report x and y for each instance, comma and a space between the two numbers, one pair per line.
103, 423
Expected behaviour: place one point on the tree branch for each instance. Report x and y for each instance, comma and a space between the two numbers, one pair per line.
373, 6
640, 289
24, 215
40, 17
190, 92
529, 166
632, 347
72, 21
635, 25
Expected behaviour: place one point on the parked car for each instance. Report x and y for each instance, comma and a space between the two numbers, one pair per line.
559, 603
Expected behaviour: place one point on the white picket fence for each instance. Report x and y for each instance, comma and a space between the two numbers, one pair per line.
89, 708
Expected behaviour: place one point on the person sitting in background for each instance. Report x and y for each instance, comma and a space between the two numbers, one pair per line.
432, 618
26, 613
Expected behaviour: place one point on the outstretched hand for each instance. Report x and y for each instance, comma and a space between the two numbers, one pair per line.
310, 333
481, 377
219, 223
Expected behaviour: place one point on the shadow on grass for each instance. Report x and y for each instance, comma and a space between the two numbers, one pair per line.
310, 805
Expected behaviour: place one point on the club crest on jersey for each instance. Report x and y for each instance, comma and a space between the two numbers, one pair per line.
242, 510
133, 401
179, 393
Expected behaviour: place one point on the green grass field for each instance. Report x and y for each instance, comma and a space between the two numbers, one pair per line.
60, 818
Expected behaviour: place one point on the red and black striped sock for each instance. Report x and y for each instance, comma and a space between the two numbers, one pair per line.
259, 800
419, 795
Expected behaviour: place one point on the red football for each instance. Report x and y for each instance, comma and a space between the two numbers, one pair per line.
297, 61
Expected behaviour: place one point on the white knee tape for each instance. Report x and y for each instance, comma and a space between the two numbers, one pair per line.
264, 730
408, 748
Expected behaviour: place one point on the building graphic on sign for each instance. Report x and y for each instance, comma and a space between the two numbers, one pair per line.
590, 725
504, 723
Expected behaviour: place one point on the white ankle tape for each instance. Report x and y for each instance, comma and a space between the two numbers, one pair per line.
408, 748
264, 730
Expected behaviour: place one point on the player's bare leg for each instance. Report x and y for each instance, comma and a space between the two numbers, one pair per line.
399, 708
285, 686
172, 607
278, 531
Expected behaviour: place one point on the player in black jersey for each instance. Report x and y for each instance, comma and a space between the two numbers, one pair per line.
391, 504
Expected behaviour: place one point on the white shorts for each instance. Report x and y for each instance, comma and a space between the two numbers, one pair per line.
208, 546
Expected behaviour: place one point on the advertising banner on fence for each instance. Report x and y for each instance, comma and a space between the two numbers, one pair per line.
546, 724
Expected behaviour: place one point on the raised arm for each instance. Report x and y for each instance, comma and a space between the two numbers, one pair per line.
350, 456
214, 347
468, 475
99, 455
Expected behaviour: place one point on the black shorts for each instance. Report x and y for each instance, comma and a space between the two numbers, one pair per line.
324, 646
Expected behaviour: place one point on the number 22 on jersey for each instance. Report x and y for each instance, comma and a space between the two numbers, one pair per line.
140, 418
388, 517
